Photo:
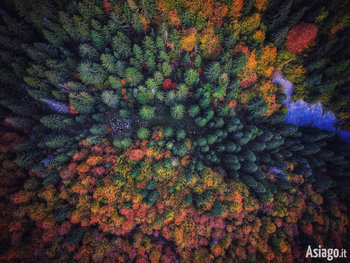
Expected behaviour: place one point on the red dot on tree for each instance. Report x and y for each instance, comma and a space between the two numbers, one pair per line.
167, 84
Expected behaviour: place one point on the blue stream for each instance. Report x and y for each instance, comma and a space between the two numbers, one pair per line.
301, 113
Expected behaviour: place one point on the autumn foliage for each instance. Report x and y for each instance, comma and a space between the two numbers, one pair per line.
301, 37
154, 131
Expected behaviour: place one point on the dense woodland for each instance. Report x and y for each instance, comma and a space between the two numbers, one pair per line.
152, 131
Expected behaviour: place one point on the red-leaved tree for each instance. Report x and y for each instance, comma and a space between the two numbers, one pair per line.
300, 37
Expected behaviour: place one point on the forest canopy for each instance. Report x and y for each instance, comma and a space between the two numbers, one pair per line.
153, 131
